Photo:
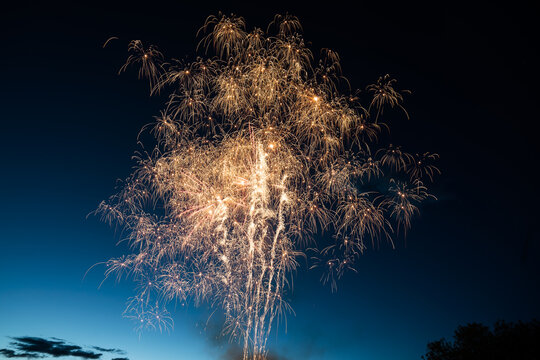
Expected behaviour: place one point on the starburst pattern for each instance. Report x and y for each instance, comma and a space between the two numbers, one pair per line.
257, 151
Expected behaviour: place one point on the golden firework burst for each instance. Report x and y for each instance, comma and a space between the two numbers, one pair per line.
257, 151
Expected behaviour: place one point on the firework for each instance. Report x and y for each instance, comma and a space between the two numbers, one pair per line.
257, 151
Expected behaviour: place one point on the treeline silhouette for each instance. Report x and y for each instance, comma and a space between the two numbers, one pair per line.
506, 341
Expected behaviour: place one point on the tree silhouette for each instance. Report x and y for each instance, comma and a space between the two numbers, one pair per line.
508, 341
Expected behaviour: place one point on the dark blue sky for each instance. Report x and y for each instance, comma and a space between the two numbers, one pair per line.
69, 127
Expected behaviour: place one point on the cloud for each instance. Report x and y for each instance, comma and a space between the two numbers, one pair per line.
114, 351
35, 348
51, 347
8, 353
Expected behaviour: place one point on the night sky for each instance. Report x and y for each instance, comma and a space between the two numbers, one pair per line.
69, 129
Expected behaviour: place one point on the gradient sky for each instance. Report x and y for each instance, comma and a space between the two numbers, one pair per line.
69, 127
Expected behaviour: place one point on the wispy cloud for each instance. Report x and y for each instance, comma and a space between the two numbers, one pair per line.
31, 347
8, 353
114, 351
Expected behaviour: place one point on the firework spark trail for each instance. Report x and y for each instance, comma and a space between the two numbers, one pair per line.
257, 151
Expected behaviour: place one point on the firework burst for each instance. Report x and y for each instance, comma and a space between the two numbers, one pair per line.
257, 151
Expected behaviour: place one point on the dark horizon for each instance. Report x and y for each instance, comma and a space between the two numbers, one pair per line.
70, 129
